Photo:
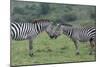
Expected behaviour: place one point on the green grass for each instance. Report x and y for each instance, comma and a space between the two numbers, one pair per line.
48, 50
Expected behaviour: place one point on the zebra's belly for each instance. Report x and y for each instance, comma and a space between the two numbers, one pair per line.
84, 40
20, 38
81, 38
26, 36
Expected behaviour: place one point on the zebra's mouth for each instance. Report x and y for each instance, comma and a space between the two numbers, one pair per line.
53, 37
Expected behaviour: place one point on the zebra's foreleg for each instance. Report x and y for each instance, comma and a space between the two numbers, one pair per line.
30, 47
76, 43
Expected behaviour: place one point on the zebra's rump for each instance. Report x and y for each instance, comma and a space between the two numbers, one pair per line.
21, 31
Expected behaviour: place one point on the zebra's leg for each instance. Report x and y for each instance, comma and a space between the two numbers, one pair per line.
76, 43
95, 46
92, 47
30, 47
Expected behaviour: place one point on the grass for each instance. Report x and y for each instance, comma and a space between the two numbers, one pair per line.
48, 50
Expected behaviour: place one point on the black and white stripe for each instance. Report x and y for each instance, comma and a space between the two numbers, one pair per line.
82, 34
78, 34
29, 31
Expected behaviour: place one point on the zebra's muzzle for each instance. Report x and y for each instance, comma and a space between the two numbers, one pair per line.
53, 37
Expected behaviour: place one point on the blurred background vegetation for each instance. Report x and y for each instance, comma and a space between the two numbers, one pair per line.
58, 13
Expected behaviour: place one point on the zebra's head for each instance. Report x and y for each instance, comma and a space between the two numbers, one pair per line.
59, 29
51, 31
54, 31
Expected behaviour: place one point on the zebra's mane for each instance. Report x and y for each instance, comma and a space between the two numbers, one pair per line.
40, 21
66, 24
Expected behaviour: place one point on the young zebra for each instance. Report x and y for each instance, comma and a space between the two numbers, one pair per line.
78, 34
29, 31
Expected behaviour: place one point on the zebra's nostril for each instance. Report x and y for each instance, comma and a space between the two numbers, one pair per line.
52, 37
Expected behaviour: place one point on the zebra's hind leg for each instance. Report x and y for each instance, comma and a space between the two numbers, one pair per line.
92, 47
30, 47
76, 43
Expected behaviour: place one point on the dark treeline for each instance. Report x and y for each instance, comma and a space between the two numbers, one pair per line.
65, 13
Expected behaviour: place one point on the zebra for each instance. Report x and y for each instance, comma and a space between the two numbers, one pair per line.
78, 34
29, 31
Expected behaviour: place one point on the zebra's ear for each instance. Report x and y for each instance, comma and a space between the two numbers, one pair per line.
50, 27
52, 23
59, 29
58, 25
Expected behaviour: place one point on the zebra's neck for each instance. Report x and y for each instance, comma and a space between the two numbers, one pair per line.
40, 27
68, 31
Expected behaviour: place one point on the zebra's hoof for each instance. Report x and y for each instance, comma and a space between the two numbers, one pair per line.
31, 55
77, 53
